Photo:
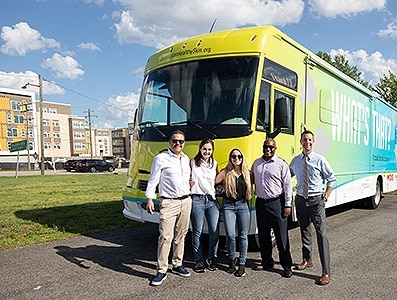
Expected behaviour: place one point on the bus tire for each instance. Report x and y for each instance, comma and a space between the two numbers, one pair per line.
374, 201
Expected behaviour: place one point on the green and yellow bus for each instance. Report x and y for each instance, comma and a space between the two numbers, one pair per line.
243, 85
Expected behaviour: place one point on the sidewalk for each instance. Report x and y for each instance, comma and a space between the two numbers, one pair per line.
52, 172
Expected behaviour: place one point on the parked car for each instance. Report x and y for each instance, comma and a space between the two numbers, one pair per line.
93, 165
70, 165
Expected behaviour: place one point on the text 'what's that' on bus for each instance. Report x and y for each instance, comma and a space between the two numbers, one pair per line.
239, 87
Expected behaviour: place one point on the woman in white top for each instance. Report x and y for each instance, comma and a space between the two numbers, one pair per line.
204, 204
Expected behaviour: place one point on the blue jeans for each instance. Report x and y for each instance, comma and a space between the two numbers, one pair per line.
236, 212
204, 206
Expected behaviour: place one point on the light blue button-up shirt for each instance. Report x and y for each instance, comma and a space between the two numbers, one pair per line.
319, 173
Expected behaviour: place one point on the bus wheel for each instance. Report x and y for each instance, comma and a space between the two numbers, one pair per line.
374, 201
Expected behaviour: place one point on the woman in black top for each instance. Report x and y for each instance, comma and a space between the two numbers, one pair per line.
237, 184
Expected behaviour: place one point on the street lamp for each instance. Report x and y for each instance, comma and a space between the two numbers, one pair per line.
40, 86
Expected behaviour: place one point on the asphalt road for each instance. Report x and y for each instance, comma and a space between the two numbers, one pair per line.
119, 265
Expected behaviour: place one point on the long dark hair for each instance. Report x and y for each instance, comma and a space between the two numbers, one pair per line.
198, 156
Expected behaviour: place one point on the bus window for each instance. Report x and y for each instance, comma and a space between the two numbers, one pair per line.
280, 74
263, 114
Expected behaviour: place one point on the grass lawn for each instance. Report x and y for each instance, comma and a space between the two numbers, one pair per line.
36, 209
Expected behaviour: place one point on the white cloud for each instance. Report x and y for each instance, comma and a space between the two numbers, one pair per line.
64, 66
345, 8
149, 22
15, 80
97, 2
21, 39
391, 30
373, 66
139, 72
89, 46
121, 106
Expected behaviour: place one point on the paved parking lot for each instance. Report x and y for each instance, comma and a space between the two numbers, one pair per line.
120, 264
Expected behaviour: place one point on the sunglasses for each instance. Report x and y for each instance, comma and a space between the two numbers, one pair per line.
268, 147
178, 141
234, 156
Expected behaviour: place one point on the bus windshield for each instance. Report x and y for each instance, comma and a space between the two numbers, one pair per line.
205, 97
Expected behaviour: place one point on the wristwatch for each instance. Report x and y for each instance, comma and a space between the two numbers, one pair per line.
325, 198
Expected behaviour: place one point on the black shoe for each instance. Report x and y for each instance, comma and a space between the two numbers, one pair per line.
241, 271
287, 273
211, 264
199, 267
232, 266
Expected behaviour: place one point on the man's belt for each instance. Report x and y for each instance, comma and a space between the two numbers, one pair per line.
315, 197
268, 200
176, 198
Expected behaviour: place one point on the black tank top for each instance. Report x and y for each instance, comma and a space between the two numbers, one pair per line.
241, 187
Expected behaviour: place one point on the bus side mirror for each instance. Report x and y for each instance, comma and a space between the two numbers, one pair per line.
282, 116
282, 113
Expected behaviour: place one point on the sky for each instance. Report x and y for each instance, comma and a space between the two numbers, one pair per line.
92, 53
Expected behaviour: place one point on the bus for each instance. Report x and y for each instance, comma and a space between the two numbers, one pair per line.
239, 87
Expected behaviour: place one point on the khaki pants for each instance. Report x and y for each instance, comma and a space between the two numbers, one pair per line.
173, 227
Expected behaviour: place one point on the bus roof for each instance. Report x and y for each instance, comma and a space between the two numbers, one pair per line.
213, 44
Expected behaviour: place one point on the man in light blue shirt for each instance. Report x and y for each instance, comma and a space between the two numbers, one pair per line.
312, 172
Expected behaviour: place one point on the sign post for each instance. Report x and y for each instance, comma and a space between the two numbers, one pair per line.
18, 146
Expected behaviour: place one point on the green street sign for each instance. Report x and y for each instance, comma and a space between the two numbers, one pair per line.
20, 145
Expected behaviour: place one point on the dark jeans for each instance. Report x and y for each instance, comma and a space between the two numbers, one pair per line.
268, 216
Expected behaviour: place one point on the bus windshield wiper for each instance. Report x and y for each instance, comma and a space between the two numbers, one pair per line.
153, 124
198, 126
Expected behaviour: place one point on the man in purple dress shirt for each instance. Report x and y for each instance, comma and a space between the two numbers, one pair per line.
272, 179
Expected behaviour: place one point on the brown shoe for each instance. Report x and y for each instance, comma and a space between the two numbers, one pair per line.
304, 264
324, 279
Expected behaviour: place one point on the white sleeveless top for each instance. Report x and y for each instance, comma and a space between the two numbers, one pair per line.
204, 178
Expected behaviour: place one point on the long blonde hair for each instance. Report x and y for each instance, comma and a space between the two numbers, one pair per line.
230, 181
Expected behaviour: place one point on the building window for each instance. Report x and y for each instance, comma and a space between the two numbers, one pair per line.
18, 119
46, 122
12, 132
23, 132
57, 134
9, 118
47, 146
15, 105
55, 123
57, 146
52, 110
46, 134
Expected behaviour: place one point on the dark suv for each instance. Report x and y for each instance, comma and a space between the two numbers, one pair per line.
70, 165
93, 165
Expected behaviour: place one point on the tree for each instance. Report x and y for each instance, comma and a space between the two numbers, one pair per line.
387, 88
340, 62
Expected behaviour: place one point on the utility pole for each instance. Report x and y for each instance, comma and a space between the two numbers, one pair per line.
26, 113
89, 130
40, 86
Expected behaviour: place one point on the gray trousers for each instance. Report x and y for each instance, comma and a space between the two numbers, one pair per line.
313, 211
